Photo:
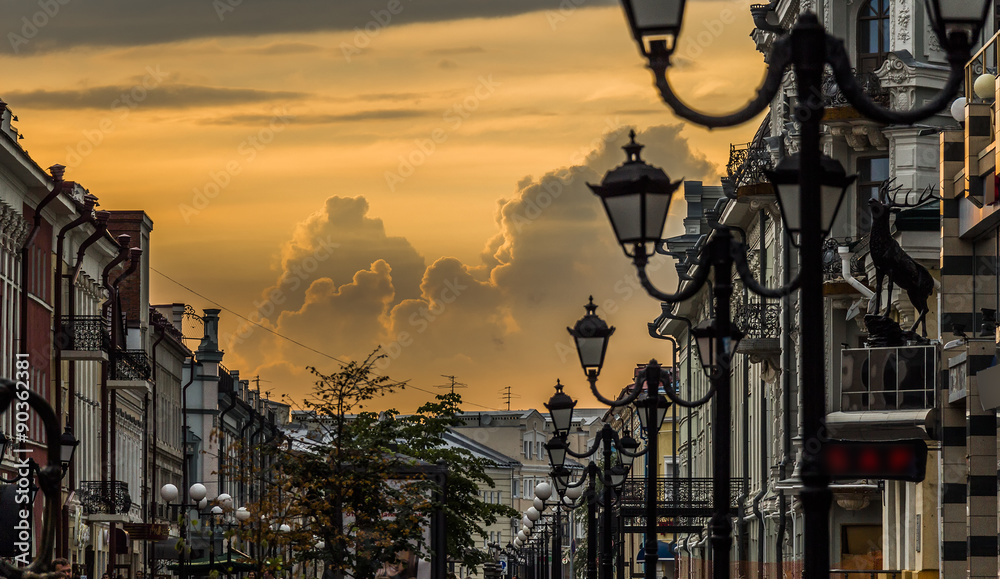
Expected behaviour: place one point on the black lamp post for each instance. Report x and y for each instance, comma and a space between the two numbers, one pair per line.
615, 472
67, 449
48, 480
656, 25
636, 179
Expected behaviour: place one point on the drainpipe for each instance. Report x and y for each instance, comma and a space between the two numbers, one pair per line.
665, 313
135, 254
185, 467
845, 268
222, 439
59, 342
115, 306
123, 241
245, 495
57, 172
150, 489
86, 214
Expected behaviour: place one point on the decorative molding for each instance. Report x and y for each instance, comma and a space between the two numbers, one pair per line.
13, 228
902, 20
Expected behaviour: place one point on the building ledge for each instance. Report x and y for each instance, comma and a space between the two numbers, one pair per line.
134, 385
882, 424
85, 355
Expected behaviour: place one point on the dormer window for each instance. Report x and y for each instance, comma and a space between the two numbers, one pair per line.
873, 35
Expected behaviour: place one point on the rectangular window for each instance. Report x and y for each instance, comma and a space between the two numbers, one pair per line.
527, 449
514, 490
872, 172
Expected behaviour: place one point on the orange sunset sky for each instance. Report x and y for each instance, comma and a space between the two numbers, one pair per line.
404, 173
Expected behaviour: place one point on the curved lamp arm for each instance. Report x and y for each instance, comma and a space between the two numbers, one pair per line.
836, 56
781, 56
687, 292
597, 445
628, 399
743, 268
48, 479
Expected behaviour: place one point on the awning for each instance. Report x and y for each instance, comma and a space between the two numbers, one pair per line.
665, 552
224, 564
198, 548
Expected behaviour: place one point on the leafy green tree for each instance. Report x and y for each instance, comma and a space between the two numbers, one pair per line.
341, 490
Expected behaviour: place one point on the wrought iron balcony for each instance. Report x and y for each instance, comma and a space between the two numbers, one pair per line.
834, 98
745, 170
104, 497
758, 318
129, 368
84, 334
683, 504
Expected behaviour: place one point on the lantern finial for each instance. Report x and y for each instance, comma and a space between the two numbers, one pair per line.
632, 149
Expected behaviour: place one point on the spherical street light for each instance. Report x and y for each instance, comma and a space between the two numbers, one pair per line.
169, 493
543, 491
958, 109
284, 528
985, 86
242, 514
527, 522
197, 492
217, 510
532, 513
538, 504
573, 493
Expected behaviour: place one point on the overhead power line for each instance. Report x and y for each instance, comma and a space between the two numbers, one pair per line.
294, 341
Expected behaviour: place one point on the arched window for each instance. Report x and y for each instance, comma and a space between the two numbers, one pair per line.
873, 35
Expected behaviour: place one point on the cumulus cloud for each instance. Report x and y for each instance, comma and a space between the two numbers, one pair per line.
494, 320
335, 243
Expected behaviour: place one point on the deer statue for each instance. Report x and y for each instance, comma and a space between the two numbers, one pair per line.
891, 261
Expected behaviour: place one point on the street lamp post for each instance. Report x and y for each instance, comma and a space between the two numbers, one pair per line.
592, 335
197, 497
656, 25
48, 480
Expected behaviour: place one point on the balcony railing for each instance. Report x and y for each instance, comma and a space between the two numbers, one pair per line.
834, 98
900, 378
85, 333
680, 493
984, 61
130, 365
747, 163
684, 504
104, 497
758, 318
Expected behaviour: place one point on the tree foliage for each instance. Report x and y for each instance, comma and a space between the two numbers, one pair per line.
340, 488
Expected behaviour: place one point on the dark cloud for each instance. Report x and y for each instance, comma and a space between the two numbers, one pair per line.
255, 120
29, 29
279, 48
148, 95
